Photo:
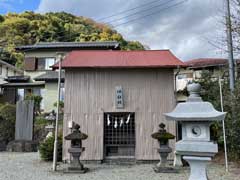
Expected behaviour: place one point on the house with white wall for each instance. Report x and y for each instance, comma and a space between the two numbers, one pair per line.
38, 61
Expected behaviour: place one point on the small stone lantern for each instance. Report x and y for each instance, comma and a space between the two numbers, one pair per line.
196, 117
76, 149
50, 128
163, 139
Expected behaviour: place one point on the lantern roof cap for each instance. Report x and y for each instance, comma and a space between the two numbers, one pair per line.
195, 109
76, 134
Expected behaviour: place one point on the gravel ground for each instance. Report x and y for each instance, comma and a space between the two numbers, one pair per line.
27, 166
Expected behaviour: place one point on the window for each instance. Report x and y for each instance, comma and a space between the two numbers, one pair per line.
185, 76
49, 62
182, 76
45, 63
20, 94
198, 74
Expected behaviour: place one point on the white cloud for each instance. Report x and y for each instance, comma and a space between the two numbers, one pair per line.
183, 29
4, 4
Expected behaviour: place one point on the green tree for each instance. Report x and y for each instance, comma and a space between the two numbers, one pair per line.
231, 105
37, 102
29, 28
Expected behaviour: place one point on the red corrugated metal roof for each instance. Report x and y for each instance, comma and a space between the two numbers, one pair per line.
206, 62
120, 59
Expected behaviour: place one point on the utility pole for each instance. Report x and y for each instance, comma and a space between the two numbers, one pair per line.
230, 47
55, 152
223, 124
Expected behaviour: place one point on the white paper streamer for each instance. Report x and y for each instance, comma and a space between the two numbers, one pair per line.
121, 122
108, 120
128, 118
115, 124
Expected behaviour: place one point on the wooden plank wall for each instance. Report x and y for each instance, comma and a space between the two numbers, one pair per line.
91, 92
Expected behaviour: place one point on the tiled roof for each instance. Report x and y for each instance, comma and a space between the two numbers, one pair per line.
20, 78
53, 45
24, 85
207, 62
50, 76
121, 59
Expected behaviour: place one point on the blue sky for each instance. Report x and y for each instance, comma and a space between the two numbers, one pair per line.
190, 30
18, 5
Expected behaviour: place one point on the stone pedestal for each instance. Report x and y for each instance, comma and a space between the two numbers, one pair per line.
163, 152
198, 167
163, 166
75, 164
177, 160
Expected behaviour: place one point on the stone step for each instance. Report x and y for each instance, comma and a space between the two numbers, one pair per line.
118, 160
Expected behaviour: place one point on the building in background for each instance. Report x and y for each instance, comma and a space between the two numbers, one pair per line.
38, 61
8, 94
49, 93
218, 67
118, 98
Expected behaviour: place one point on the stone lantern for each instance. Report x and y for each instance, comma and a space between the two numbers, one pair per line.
163, 139
50, 128
196, 117
76, 150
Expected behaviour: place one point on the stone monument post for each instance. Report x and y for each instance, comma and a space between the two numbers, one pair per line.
23, 128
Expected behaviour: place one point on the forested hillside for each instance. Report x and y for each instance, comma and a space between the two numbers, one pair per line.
30, 28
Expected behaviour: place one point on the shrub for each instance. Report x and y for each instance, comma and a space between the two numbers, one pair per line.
41, 121
61, 106
40, 131
46, 149
7, 122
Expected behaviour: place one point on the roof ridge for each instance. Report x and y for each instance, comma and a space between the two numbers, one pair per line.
74, 42
122, 50
206, 59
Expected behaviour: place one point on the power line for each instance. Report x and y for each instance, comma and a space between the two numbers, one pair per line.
145, 10
73, 34
124, 11
163, 9
133, 14
142, 17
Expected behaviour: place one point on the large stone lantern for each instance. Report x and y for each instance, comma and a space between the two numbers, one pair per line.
76, 150
196, 117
